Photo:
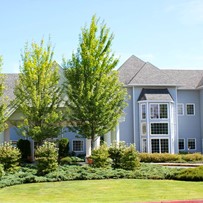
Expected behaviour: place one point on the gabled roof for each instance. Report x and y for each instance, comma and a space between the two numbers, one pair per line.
130, 68
151, 75
135, 72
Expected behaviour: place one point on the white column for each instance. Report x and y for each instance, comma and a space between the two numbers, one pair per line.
88, 147
117, 134
97, 143
107, 138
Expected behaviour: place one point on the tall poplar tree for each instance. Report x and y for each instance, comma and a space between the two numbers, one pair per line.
2, 102
38, 92
96, 98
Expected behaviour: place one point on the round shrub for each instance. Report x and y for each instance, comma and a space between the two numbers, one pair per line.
130, 159
46, 157
116, 151
9, 157
100, 157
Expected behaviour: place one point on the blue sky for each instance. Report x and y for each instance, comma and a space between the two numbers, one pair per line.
167, 33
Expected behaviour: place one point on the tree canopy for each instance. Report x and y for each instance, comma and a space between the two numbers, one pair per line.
2, 101
38, 92
96, 98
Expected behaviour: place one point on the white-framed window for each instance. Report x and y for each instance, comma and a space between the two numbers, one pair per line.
180, 109
144, 145
78, 145
143, 128
181, 144
191, 143
143, 111
158, 111
159, 128
190, 109
159, 146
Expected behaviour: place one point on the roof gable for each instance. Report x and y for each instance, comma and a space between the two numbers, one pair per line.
130, 68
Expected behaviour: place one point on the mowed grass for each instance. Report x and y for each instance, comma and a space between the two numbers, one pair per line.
119, 190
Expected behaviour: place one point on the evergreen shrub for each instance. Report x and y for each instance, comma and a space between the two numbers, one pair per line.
9, 157
1, 170
100, 157
46, 157
130, 159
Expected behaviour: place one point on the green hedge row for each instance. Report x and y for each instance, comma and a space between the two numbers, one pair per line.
165, 157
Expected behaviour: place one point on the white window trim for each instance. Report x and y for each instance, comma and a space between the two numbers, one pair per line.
159, 111
186, 109
160, 138
145, 111
142, 144
195, 143
181, 104
159, 134
82, 144
183, 142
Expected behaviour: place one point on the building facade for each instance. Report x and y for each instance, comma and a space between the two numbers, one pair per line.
164, 112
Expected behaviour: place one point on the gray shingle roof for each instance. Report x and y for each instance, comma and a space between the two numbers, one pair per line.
10, 81
187, 79
136, 72
155, 94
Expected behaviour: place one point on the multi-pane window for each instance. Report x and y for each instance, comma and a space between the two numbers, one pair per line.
159, 128
159, 146
143, 111
180, 109
78, 145
191, 143
159, 111
190, 109
144, 128
181, 144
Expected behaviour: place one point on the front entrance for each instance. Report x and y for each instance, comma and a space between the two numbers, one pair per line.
159, 146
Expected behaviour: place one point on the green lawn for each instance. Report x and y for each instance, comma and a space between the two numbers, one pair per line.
121, 190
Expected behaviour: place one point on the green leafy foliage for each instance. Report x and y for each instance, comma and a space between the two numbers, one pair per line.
71, 160
96, 98
46, 157
165, 157
100, 157
25, 149
38, 93
9, 157
190, 174
1, 170
116, 152
2, 101
130, 159
63, 147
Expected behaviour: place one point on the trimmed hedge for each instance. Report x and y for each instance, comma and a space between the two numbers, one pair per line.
70, 160
165, 157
